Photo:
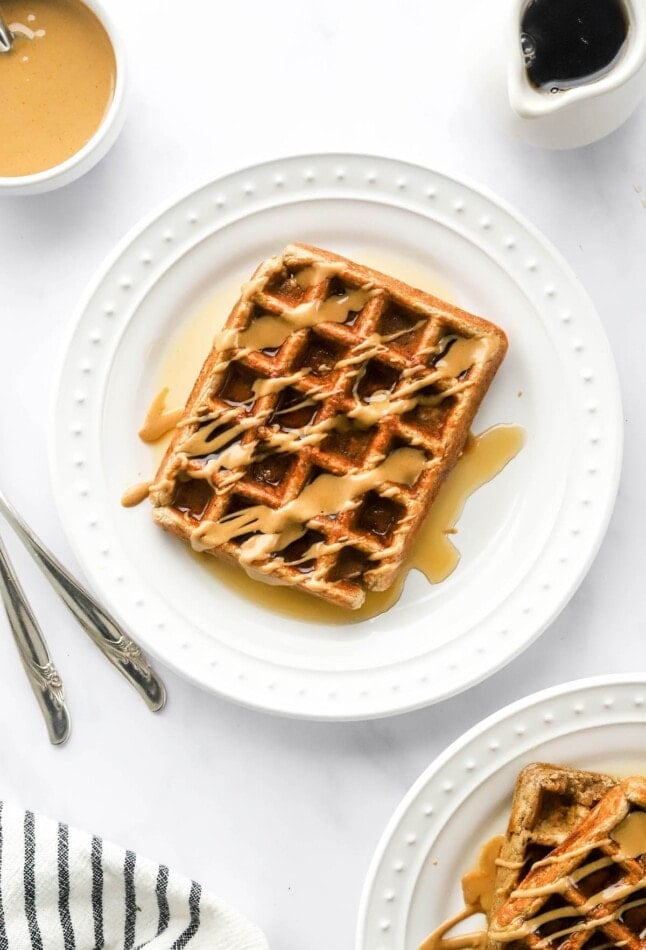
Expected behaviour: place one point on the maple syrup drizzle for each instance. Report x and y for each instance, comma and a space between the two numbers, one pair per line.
221, 445
461, 356
630, 835
478, 888
326, 495
478, 891
433, 553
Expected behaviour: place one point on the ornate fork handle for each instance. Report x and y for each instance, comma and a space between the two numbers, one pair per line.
119, 649
43, 676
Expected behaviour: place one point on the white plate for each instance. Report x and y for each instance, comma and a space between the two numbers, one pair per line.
526, 539
464, 796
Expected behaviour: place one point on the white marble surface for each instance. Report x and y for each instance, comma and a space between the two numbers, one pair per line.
280, 817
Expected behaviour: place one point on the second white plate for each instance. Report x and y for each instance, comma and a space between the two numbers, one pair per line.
463, 798
526, 539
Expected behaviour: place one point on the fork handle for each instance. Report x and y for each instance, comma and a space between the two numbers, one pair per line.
43, 676
117, 647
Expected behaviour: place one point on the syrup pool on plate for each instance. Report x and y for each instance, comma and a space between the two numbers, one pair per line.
57, 83
434, 553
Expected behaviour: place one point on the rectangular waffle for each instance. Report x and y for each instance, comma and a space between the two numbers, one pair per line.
323, 423
591, 887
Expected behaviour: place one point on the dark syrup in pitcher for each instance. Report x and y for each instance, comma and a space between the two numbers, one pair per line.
569, 42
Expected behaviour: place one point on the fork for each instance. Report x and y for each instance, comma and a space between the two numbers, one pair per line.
100, 626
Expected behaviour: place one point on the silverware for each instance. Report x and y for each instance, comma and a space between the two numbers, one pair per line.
119, 649
6, 36
43, 676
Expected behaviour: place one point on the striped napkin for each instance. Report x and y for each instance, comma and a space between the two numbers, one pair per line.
62, 889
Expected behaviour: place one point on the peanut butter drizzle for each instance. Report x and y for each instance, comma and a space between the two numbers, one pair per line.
610, 894
136, 494
326, 495
265, 387
630, 835
206, 441
575, 852
404, 400
478, 889
561, 885
272, 331
433, 553
464, 352
590, 924
478, 884
159, 420
310, 276
57, 83
409, 394
461, 356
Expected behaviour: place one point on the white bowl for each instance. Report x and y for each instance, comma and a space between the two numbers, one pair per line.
93, 151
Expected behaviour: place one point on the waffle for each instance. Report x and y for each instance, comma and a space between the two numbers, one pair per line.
591, 888
323, 423
549, 802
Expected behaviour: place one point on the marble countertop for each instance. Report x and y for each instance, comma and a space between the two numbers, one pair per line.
281, 817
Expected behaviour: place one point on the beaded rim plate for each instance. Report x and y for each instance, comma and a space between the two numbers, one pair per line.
463, 798
526, 539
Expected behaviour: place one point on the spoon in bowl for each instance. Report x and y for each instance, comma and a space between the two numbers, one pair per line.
6, 36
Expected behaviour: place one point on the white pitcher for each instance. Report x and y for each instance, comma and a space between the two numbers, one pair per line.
589, 110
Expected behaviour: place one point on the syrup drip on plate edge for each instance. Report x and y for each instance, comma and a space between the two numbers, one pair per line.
434, 554
479, 890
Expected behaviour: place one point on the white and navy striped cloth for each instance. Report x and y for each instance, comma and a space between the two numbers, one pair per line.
62, 889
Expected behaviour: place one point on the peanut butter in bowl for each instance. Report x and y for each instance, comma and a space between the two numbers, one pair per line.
61, 93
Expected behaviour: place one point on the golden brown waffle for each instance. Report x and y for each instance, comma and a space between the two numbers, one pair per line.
591, 888
323, 423
549, 802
